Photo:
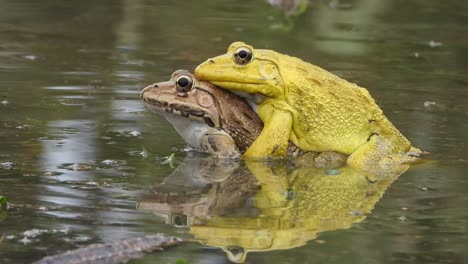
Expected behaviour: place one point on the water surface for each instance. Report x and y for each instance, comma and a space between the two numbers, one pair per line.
72, 132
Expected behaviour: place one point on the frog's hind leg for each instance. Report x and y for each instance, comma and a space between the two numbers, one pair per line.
379, 153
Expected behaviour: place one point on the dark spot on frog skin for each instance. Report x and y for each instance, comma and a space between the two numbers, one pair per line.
275, 148
373, 134
211, 61
184, 114
209, 122
212, 143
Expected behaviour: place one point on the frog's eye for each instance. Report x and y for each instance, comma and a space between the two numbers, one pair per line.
184, 84
242, 55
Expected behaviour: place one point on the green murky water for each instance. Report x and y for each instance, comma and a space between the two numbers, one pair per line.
72, 132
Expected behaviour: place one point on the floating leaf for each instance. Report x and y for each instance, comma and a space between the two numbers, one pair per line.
3, 202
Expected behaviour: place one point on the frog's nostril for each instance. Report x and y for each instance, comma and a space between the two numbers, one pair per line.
155, 86
211, 61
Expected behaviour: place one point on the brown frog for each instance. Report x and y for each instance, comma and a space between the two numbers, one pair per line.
208, 118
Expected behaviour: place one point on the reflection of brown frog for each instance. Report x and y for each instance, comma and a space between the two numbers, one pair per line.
290, 208
200, 187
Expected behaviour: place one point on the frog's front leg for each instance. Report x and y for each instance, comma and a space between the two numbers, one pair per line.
379, 153
273, 140
220, 145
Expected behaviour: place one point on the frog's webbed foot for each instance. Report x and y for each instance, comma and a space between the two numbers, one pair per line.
379, 153
415, 152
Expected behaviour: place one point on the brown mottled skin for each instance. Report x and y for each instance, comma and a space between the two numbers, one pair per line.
230, 123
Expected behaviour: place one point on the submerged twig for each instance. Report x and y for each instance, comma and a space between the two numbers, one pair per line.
114, 252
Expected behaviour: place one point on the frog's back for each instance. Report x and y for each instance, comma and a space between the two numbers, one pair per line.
331, 113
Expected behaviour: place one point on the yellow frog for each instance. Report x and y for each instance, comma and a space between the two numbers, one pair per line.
309, 106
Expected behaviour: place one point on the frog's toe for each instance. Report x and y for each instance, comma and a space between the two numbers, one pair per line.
415, 152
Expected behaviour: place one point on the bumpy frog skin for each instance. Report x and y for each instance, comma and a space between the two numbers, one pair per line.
208, 118
309, 106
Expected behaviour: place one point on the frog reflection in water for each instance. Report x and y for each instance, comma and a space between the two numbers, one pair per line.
214, 120
308, 106
265, 207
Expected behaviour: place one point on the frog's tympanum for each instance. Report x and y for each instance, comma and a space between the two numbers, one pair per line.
209, 119
265, 207
308, 106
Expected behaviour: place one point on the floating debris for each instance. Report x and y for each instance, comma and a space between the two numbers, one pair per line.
77, 167
7, 165
3, 203
416, 55
23, 126
91, 185
434, 44
30, 236
31, 57
402, 218
135, 133
53, 173
110, 162
434, 106
33, 233
428, 104
4, 102
169, 160
144, 153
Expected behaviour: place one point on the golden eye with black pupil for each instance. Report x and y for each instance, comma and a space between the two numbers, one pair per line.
242, 55
184, 84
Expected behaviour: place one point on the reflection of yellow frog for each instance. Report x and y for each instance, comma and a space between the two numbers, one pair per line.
293, 209
309, 106
289, 209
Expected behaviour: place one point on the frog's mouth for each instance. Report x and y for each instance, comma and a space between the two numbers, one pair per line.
167, 103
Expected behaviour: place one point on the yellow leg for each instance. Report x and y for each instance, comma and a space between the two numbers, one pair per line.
273, 140
379, 156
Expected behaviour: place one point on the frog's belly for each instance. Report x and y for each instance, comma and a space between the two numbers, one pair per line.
329, 138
